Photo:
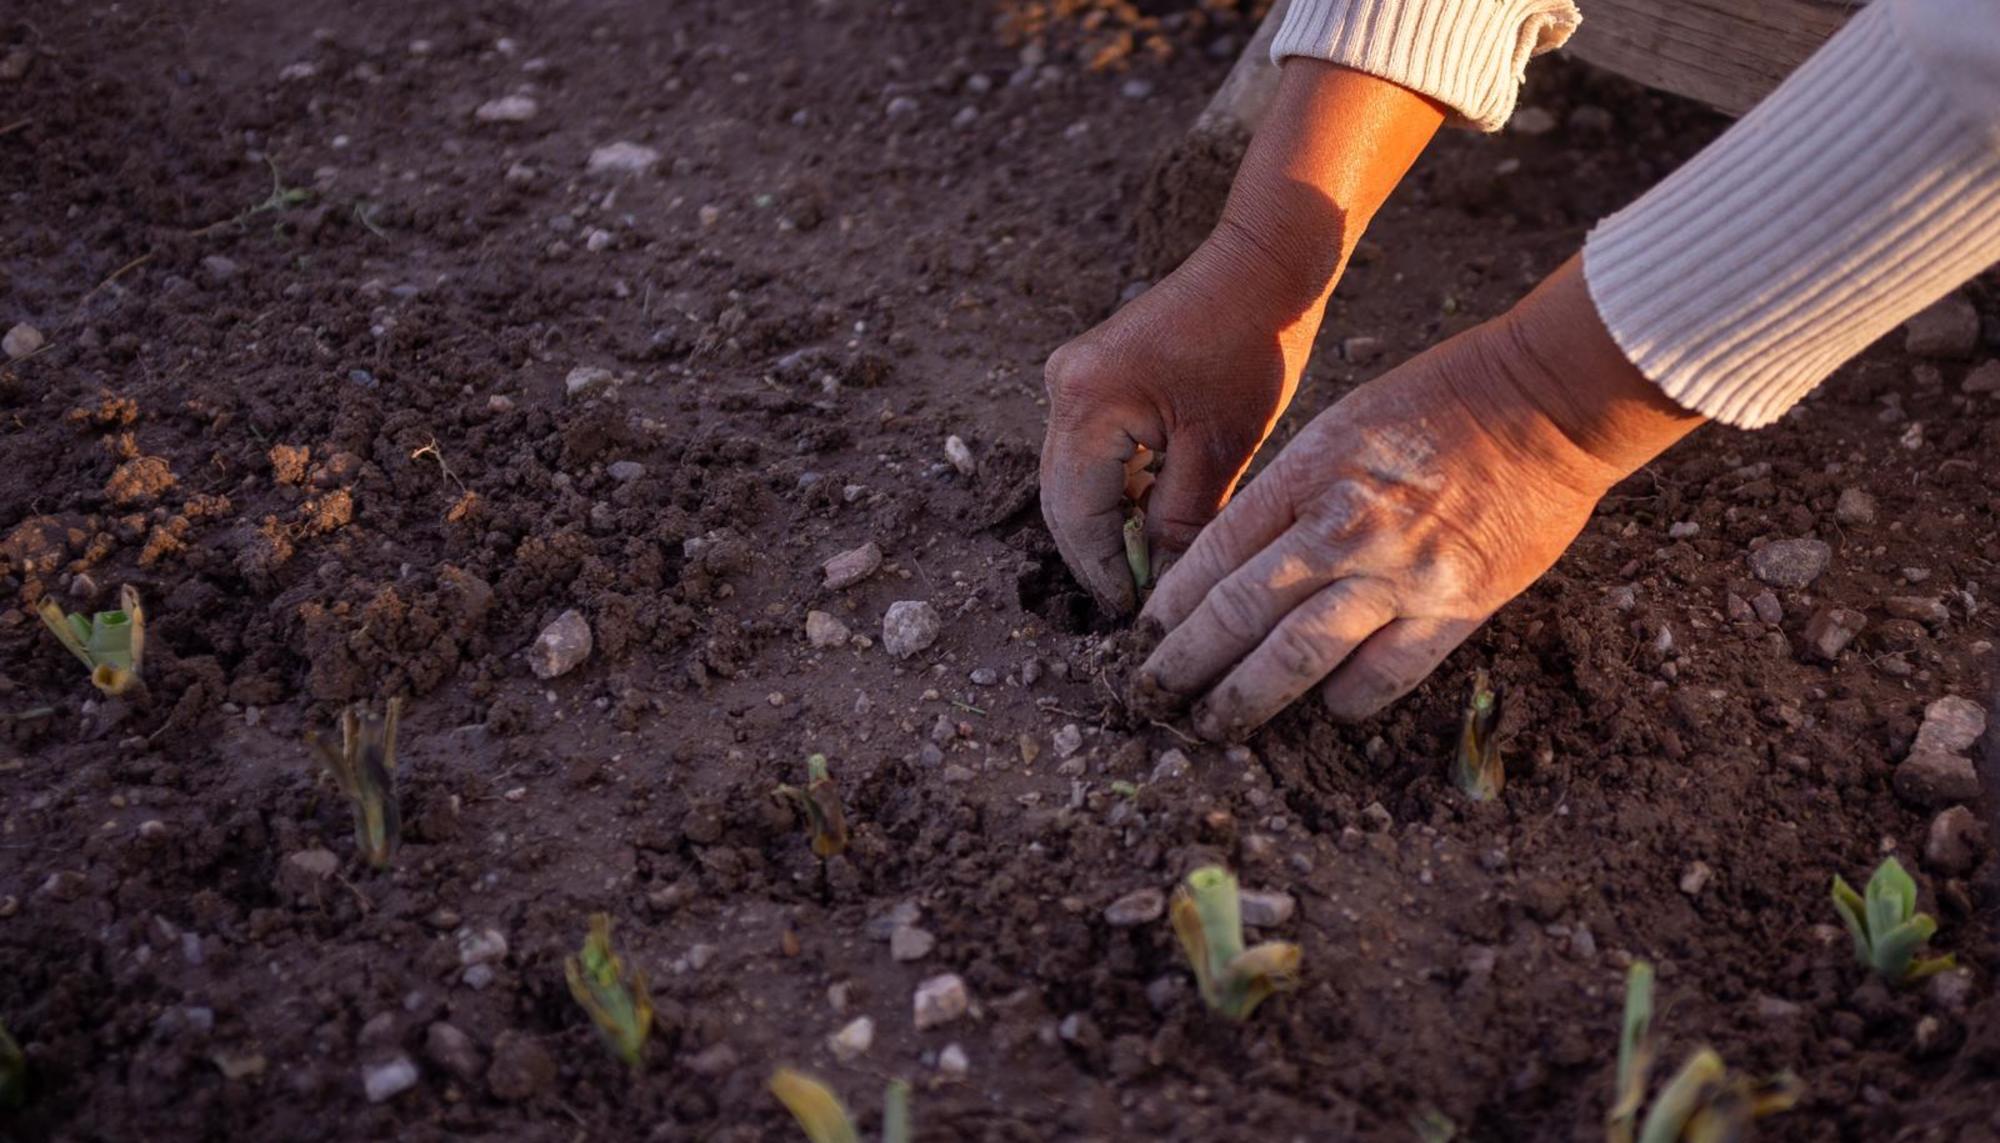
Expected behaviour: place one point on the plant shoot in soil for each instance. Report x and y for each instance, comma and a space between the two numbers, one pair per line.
110, 644
615, 996
1207, 916
1138, 553
1476, 769
365, 769
824, 1118
819, 806
1886, 926
1704, 1102
13, 1071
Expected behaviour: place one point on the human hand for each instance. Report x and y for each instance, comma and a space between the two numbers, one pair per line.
1404, 516
1200, 366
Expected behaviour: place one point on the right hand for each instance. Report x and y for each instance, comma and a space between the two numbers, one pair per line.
1197, 369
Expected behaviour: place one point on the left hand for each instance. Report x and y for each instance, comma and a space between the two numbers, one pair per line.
1404, 516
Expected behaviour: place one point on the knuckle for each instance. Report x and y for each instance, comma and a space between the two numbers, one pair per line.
1233, 607
1298, 652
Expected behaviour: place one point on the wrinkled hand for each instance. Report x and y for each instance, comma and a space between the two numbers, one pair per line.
1404, 516
1198, 368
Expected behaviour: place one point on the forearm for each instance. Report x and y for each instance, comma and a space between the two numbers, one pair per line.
1332, 147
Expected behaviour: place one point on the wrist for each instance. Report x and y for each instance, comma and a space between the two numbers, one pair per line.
1572, 396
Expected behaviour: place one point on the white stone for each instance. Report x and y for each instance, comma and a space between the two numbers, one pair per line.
852, 566
477, 946
622, 158
823, 630
953, 1061
960, 455
1266, 908
1068, 740
561, 646
587, 379
507, 109
854, 1040
911, 943
1139, 907
386, 1081
940, 1000
21, 341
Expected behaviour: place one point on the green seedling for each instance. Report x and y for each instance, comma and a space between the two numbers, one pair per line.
1207, 916
110, 644
615, 997
824, 1118
281, 198
1886, 926
1476, 768
1704, 1102
1138, 554
1433, 1126
13, 1071
818, 805
365, 769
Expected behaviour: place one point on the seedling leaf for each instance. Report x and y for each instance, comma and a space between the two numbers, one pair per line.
1635, 1053
1207, 917
1138, 554
1704, 1102
110, 644
365, 769
1477, 768
1886, 926
615, 997
820, 807
1682, 1098
819, 1112
896, 1124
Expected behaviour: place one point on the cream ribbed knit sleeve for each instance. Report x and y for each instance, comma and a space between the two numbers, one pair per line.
1863, 189
1469, 55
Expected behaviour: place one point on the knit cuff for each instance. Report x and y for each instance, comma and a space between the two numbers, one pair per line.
1469, 55
1858, 193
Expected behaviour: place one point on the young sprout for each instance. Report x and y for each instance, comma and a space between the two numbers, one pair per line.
1477, 769
819, 805
1207, 917
615, 997
1138, 554
110, 644
1433, 1126
1704, 1102
1886, 926
824, 1118
365, 769
13, 1071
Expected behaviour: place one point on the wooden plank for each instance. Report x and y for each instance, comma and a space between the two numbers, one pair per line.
1251, 83
1726, 53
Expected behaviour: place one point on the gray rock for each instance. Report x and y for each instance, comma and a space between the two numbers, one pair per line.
823, 630
908, 627
1774, 1010
1951, 724
625, 471
21, 341
1948, 329
561, 647
507, 109
960, 455
1790, 563
1983, 379
387, 1080
217, 269
911, 943
1684, 530
585, 380
715, 1060
1952, 991
1267, 908
1361, 349
901, 107
303, 872
1767, 608
1935, 778
883, 926
984, 677
1856, 508
622, 158
1696, 878
453, 1051
1954, 842
1139, 907
851, 567
953, 1062
940, 1000
1067, 740
1174, 765
1921, 608
1831, 629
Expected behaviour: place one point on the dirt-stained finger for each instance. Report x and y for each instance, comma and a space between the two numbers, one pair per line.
1390, 665
1302, 650
1245, 527
1083, 501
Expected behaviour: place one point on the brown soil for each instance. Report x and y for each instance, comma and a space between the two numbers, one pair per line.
330, 442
